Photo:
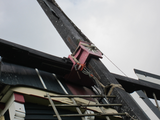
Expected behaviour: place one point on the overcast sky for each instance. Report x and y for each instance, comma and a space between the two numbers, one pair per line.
127, 31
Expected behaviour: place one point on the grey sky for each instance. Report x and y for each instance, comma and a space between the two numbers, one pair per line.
127, 31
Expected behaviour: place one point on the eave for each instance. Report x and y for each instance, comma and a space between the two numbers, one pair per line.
131, 85
21, 55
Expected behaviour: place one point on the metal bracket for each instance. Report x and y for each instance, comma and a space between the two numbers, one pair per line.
84, 52
79, 58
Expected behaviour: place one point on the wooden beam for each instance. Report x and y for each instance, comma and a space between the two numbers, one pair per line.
96, 114
85, 105
71, 36
132, 85
84, 96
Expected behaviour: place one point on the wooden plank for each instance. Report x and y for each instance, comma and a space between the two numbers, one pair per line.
85, 105
54, 107
71, 36
84, 96
98, 114
97, 102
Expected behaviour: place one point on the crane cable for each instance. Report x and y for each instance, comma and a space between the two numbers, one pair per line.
115, 65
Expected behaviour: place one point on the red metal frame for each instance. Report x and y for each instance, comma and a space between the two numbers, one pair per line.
82, 54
